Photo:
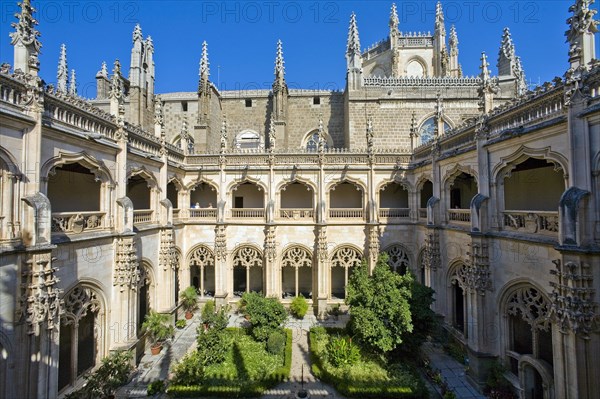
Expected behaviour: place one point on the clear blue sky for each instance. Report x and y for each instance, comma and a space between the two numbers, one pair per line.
242, 37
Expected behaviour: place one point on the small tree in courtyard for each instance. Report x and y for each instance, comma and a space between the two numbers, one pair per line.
379, 306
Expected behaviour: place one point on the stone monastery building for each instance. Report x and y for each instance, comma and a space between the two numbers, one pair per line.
488, 192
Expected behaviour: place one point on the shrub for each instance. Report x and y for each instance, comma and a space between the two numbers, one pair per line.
189, 370
180, 323
208, 312
157, 326
299, 307
341, 351
155, 387
214, 343
265, 314
104, 382
189, 299
276, 343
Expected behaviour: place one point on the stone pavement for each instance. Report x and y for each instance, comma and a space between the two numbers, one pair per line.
452, 371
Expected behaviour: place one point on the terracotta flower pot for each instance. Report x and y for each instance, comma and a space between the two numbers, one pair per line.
155, 350
188, 315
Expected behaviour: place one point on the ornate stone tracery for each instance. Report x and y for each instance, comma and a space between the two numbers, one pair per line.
167, 253
127, 273
573, 306
398, 258
270, 244
220, 242
346, 257
477, 275
531, 305
296, 257
79, 302
247, 257
202, 257
431, 254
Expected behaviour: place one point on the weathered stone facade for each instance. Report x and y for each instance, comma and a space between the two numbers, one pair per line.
483, 190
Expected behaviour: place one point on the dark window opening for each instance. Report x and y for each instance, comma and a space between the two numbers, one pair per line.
248, 102
317, 100
184, 106
238, 202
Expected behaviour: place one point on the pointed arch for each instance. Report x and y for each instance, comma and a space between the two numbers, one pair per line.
232, 186
96, 167
456, 171
310, 140
201, 265
145, 174
400, 259
509, 162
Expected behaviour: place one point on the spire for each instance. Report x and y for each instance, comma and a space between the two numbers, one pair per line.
73, 84
453, 41
224, 134
485, 72
509, 64
394, 21
582, 27
137, 33
439, 19
279, 69
507, 47
353, 47
204, 64
488, 87
116, 89
25, 34
62, 76
149, 44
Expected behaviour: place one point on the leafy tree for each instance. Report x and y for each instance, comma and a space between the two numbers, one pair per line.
106, 379
423, 318
380, 314
265, 314
213, 344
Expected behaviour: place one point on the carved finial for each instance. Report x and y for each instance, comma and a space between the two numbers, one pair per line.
353, 39
103, 70
272, 132
394, 21
204, 64
137, 33
149, 44
279, 62
440, 26
370, 134
485, 72
413, 123
321, 134
62, 76
519, 73
158, 112
582, 27
25, 31
73, 84
439, 106
507, 47
224, 134
453, 41
116, 83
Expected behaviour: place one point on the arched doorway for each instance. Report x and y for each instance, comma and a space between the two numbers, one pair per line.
202, 271
247, 270
343, 261
296, 273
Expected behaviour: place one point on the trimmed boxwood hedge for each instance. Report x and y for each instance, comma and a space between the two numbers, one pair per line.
358, 389
231, 388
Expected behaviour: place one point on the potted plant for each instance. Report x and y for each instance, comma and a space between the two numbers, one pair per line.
158, 327
208, 314
180, 324
189, 301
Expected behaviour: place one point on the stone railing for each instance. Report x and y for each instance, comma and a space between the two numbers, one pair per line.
176, 213
422, 81
297, 213
142, 216
394, 213
142, 140
203, 213
174, 153
459, 215
77, 222
532, 222
247, 213
12, 91
422, 213
346, 213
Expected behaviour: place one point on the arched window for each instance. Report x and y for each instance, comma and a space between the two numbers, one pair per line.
415, 69
247, 271
202, 271
343, 261
398, 259
458, 298
427, 130
247, 140
311, 142
296, 273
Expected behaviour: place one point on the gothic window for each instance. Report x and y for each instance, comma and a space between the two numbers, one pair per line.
343, 260
393, 196
73, 188
312, 142
247, 271
415, 69
458, 298
297, 196
427, 130
296, 273
247, 140
138, 192
425, 194
203, 195
144, 294
79, 341
398, 259
202, 271
462, 189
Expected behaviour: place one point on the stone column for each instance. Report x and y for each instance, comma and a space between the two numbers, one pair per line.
270, 269
222, 283
322, 275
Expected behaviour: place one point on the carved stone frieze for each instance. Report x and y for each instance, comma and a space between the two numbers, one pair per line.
431, 255
478, 275
40, 299
322, 253
270, 244
220, 242
167, 253
126, 273
573, 307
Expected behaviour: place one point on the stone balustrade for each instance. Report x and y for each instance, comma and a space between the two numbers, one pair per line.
247, 213
297, 214
142, 216
203, 213
532, 222
459, 215
346, 213
394, 213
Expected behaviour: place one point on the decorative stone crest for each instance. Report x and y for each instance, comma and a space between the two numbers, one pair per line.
346, 257
270, 244
116, 83
220, 242
398, 259
322, 252
296, 257
25, 30
127, 273
167, 252
40, 300
573, 307
373, 244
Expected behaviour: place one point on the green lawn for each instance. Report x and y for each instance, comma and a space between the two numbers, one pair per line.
370, 376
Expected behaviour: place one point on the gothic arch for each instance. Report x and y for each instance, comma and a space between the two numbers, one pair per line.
282, 185
145, 174
247, 268
399, 257
296, 255
176, 181
248, 255
346, 179
231, 187
346, 255
455, 171
247, 133
432, 114
9, 161
96, 167
423, 178
79, 297
200, 254
201, 265
311, 135
402, 181
201, 180
527, 297
508, 163
420, 61
456, 273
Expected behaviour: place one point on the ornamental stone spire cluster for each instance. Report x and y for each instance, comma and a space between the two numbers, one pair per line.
582, 27
440, 26
353, 56
353, 46
509, 65
279, 83
25, 40
73, 84
204, 69
62, 75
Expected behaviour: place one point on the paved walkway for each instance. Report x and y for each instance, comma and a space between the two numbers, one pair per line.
452, 371
156, 367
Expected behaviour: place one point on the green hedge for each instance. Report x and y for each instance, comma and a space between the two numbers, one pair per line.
232, 388
358, 389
